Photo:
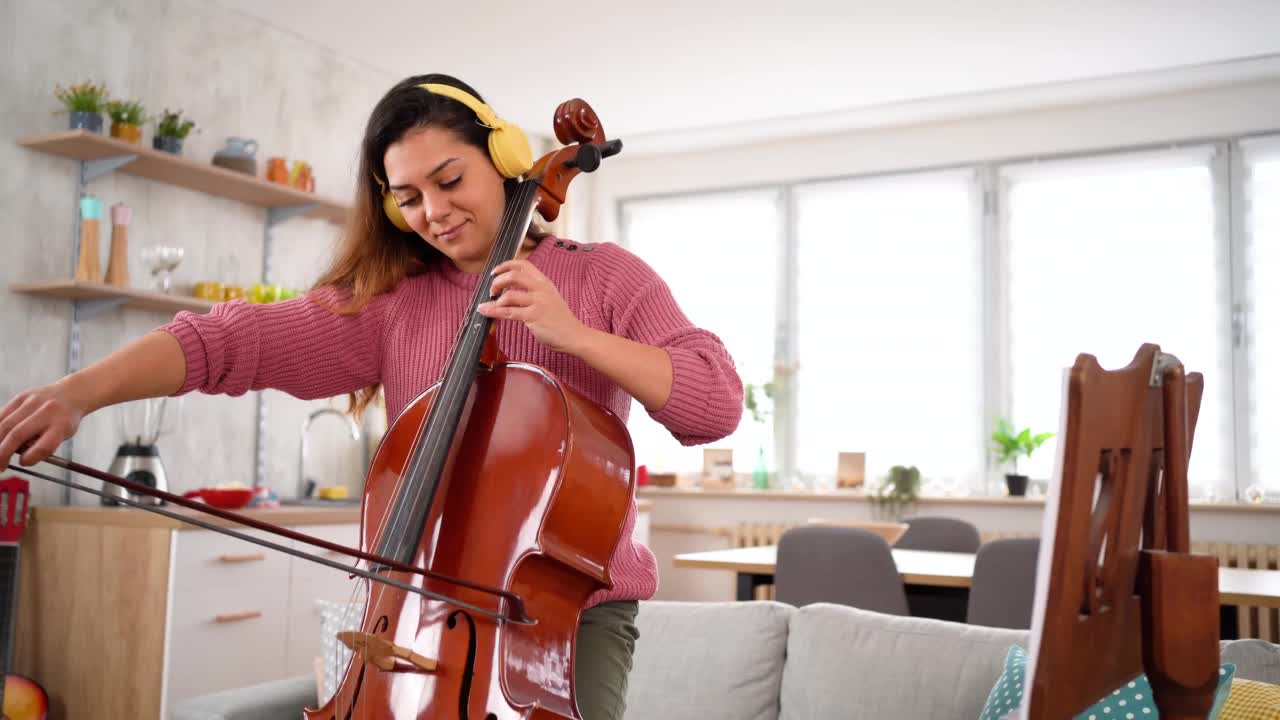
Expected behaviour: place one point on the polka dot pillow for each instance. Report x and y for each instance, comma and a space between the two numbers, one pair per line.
1252, 700
1131, 702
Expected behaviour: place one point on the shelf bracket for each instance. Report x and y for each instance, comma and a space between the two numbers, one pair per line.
92, 169
88, 309
277, 215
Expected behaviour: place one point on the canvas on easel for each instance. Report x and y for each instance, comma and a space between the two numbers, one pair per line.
1118, 592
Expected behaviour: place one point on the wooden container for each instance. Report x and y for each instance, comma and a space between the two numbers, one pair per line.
89, 264
118, 265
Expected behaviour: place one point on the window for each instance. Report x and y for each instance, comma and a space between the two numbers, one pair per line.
1262, 223
889, 326
1104, 255
719, 255
901, 314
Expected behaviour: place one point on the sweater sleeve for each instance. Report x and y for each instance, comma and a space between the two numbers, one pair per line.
299, 346
705, 404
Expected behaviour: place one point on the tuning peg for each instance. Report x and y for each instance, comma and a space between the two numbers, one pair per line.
588, 159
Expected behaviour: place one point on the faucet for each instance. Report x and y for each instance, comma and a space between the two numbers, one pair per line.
303, 490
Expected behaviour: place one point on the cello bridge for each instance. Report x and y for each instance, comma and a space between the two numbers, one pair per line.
383, 654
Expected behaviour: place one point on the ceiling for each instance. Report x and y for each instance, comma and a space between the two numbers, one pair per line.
661, 67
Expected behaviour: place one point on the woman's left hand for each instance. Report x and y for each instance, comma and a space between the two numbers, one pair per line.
527, 296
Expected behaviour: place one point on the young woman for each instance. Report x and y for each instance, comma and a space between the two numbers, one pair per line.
387, 311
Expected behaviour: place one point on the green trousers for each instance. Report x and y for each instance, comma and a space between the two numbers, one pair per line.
607, 638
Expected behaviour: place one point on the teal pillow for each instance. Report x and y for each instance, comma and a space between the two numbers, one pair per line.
1131, 702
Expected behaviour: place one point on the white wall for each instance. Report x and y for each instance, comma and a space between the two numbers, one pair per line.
1232, 106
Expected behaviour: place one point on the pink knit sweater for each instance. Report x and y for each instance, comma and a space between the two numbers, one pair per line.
403, 339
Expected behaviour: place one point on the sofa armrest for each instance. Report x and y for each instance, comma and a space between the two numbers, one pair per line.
276, 700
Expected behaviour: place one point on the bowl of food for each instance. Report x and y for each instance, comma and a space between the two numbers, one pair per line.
227, 498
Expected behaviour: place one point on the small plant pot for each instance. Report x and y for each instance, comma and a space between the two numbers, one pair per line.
167, 143
127, 132
90, 121
1017, 484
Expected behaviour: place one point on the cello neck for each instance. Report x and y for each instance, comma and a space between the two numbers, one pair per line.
407, 519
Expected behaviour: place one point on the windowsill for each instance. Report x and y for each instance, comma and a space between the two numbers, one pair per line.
653, 492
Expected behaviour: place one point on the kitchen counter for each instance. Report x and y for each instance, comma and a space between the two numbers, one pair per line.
286, 515
131, 517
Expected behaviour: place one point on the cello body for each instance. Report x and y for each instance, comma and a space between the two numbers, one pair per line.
533, 499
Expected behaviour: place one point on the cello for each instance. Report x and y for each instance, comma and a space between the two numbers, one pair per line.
491, 511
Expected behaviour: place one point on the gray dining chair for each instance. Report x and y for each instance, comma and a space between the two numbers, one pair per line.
1004, 583
938, 532
945, 534
843, 565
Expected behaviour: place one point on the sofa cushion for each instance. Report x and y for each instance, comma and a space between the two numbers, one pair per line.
1133, 701
708, 660
849, 663
276, 700
1254, 659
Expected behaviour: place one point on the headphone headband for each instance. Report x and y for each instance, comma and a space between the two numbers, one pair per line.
508, 147
482, 111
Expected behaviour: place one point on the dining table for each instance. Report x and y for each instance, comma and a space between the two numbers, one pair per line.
929, 569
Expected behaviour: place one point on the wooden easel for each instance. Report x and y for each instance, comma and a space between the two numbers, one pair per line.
1120, 593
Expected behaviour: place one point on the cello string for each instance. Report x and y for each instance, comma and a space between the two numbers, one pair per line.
462, 377
392, 522
407, 505
400, 511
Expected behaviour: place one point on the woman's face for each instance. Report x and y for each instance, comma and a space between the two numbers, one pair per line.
449, 192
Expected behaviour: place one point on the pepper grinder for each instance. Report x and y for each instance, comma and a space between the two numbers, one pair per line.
118, 266
89, 265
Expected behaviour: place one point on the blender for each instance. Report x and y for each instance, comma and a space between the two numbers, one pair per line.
138, 458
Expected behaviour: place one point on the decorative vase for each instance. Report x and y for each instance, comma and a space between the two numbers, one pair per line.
83, 120
760, 476
128, 132
1017, 484
167, 143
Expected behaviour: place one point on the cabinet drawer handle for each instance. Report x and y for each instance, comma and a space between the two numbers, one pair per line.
237, 617
247, 557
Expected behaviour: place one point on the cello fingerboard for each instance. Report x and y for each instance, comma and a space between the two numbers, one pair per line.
8, 601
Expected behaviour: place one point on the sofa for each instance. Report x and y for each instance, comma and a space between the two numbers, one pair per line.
770, 661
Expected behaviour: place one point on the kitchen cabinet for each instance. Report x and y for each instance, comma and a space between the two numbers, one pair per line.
122, 613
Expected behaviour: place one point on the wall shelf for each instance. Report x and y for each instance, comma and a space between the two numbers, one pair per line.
90, 292
164, 167
99, 155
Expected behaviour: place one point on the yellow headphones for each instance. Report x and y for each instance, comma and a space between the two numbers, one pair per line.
508, 147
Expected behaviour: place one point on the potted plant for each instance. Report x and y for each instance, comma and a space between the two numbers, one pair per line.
126, 119
1010, 444
897, 491
759, 414
85, 103
171, 131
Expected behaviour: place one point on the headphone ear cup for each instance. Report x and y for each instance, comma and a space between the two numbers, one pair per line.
509, 149
393, 212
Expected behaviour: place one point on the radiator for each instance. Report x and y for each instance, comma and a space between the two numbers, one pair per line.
1254, 622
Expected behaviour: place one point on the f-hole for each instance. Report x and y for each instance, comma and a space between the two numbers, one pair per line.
468, 672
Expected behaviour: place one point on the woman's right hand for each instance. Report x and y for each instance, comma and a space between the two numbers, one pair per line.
37, 421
